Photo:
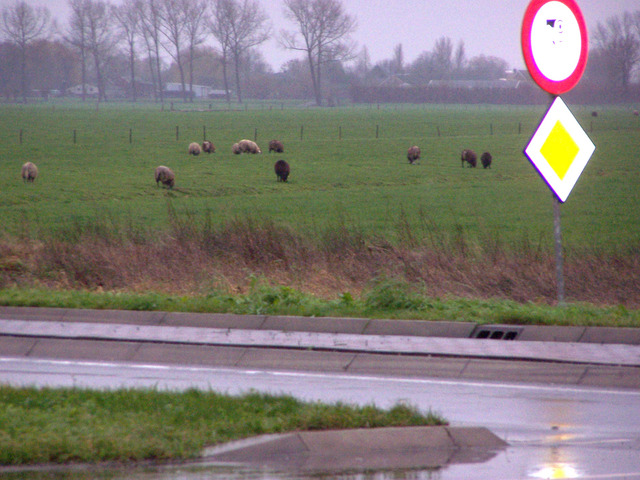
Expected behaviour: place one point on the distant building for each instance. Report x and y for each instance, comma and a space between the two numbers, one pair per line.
174, 89
473, 84
89, 90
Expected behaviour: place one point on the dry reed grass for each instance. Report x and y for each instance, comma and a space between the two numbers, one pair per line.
195, 257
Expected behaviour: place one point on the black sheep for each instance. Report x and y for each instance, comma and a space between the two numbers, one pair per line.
470, 157
486, 160
282, 170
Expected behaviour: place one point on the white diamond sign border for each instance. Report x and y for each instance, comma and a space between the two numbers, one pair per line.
558, 111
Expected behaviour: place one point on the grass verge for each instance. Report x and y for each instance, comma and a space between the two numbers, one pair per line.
387, 298
71, 425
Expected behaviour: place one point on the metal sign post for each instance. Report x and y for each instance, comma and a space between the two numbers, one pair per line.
557, 236
555, 48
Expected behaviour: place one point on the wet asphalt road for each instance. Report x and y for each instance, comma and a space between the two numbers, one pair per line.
558, 423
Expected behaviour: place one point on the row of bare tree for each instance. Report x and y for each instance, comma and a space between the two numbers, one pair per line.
177, 27
145, 31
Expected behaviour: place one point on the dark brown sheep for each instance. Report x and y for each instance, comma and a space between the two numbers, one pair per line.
208, 147
282, 170
413, 154
486, 159
29, 172
165, 176
470, 157
276, 146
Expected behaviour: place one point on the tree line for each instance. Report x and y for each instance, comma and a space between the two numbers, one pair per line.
217, 42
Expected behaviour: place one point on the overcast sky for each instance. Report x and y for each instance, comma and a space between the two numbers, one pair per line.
487, 27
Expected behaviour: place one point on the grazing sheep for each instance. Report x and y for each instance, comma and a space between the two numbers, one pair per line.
248, 146
636, 113
282, 170
165, 175
276, 146
486, 160
413, 154
29, 172
235, 148
194, 149
594, 114
470, 157
208, 147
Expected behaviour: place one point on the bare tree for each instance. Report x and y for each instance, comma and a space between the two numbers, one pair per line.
443, 57
617, 42
398, 59
238, 25
22, 24
100, 39
149, 12
195, 27
173, 17
323, 30
460, 57
220, 27
77, 36
127, 20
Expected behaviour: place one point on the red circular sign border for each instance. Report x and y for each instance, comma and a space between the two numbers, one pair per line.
551, 86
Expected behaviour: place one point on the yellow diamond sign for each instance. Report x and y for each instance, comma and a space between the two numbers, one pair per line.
560, 149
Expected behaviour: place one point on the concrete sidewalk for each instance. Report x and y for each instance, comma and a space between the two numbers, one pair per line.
564, 355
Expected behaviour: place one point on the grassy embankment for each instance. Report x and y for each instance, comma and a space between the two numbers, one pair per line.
354, 219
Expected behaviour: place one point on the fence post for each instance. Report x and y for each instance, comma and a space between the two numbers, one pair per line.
438, 127
130, 135
340, 133
301, 131
20, 136
255, 134
377, 130
177, 133
74, 136
204, 133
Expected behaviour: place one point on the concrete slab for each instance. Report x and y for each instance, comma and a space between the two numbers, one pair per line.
33, 313
377, 448
265, 447
284, 359
314, 324
356, 441
420, 328
214, 320
188, 354
471, 437
407, 365
519, 371
16, 346
126, 317
611, 377
625, 336
550, 333
83, 349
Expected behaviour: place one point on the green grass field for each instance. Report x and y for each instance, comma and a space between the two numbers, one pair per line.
358, 179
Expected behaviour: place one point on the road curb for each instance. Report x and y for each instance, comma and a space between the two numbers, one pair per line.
411, 328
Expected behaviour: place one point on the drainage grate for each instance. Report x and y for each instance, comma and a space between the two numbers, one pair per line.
496, 332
